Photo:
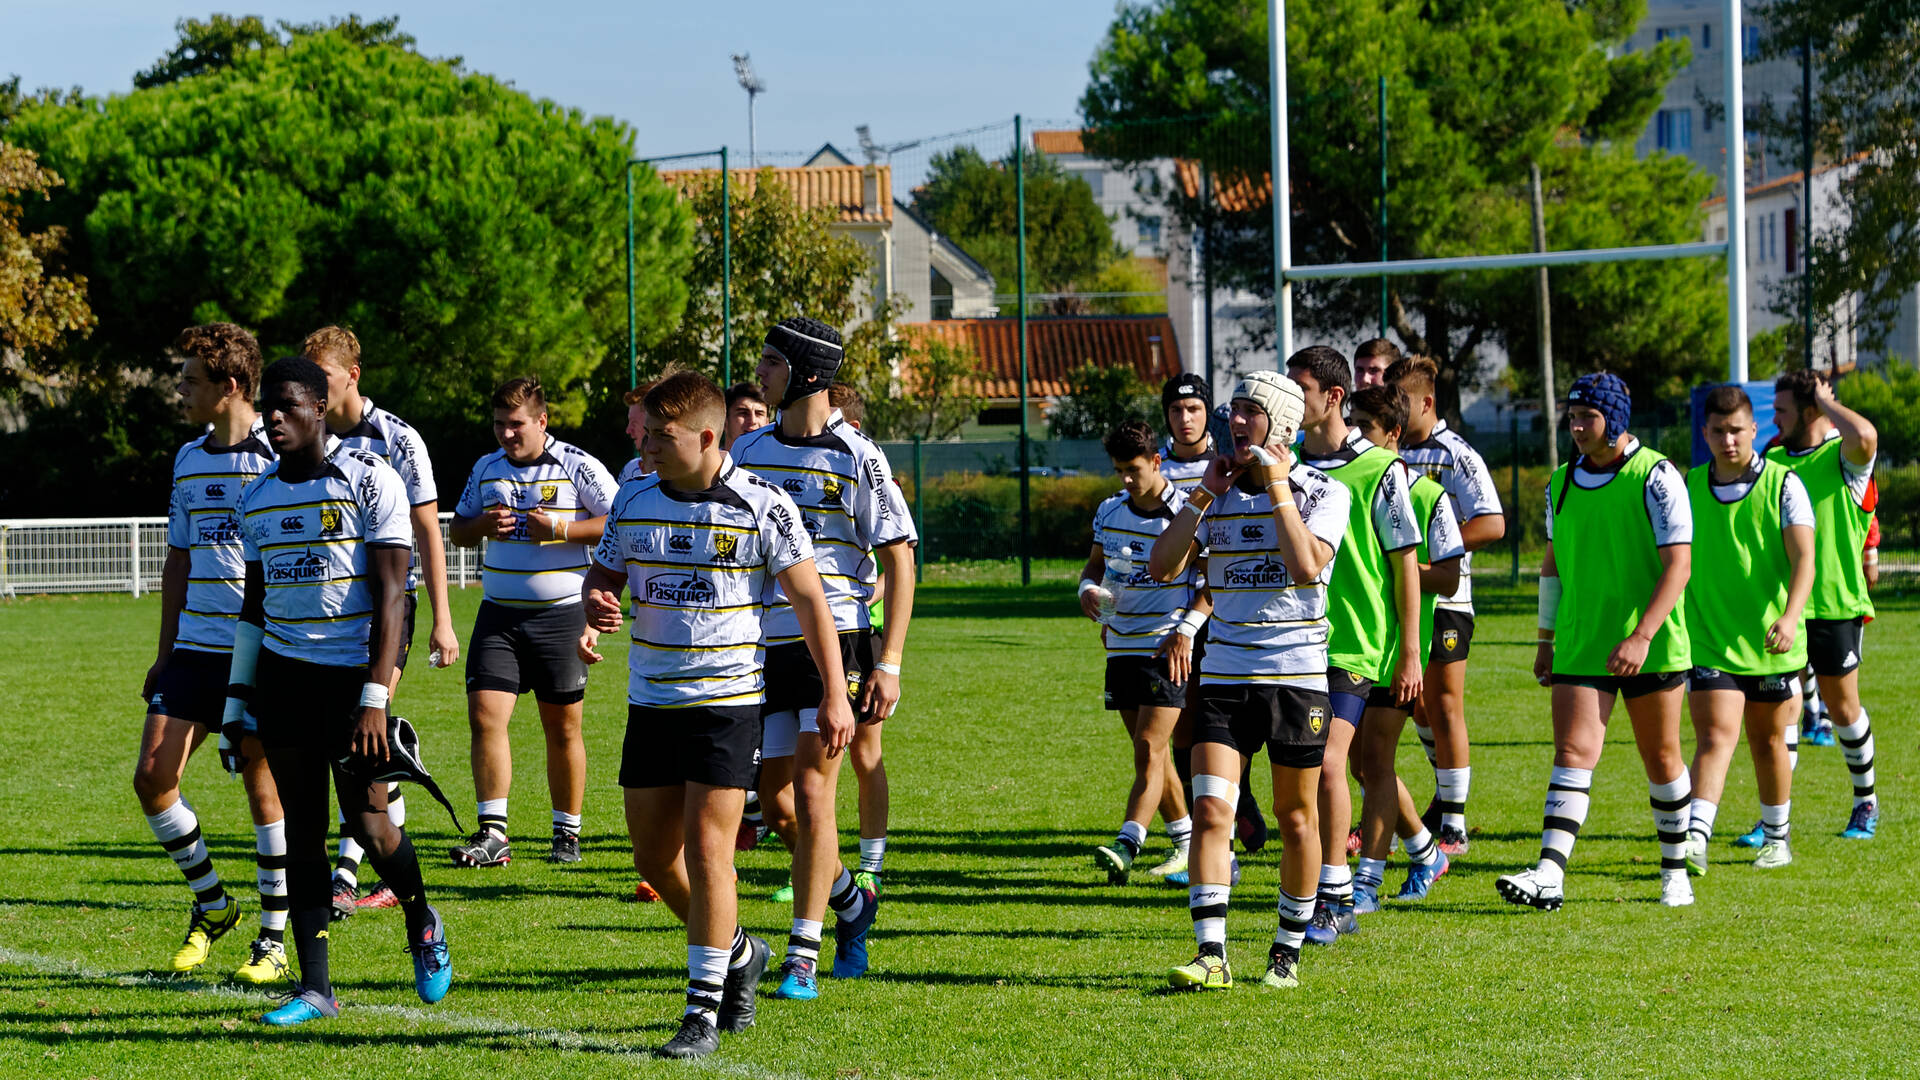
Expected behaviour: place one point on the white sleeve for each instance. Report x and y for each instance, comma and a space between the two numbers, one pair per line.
1857, 477
1796, 508
593, 486
179, 526
408, 454
1443, 534
607, 551
1668, 507
880, 508
782, 539
1325, 513
383, 508
1395, 521
470, 504
630, 472
1470, 483
249, 543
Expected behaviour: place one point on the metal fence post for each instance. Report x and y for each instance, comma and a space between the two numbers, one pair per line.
919, 511
726, 272
1020, 259
133, 550
1513, 496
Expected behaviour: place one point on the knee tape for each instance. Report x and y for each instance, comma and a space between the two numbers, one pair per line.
1218, 787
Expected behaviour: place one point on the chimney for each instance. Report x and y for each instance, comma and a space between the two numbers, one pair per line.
870, 190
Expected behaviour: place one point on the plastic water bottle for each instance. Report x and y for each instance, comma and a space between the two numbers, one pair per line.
1114, 585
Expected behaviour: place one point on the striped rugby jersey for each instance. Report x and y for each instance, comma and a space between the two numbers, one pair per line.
399, 445
1448, 460
311, 540
1267, 628
563, 480
848, 504
1147, 610
701, 566
633, 470
1184, 474
203, 521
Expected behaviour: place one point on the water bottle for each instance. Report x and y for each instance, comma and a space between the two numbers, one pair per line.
1114, 585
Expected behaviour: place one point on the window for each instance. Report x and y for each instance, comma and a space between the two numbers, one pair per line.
1150, 230
1706, 120
1793, 246
1665, 32
1673, 130
1097, 181
1750, 42
1706, 35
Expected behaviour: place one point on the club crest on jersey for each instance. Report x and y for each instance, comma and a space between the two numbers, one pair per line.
1449, 639
1316, 719
329, 519
549, 492
680, 590
831, 489
725, 547
1255, 574
853, 683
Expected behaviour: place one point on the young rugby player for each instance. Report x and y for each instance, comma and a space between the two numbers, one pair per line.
1619, 536
324, 531
746, 410
869, 763
1371, 359
1148, 627
1832, 449
701, 542
1272, 530
364, 426
1432, 448
1379, 414
859, 522
1374, 591
200, 591
1746, 609
636, 400
541, 503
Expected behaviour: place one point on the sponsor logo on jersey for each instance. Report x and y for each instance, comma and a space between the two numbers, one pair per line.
1137, 547
783, 524
644, 544
680, 590
216, 491
1252, 532
330, 518
1773, 683
1255, 574
292, 523
1705, 673
725, 547
1316, 719
549, 492
295, 568
221, 530
794, 485
831, 491
679, 544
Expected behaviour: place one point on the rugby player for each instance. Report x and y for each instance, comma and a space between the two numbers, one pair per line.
1379, 414
185, 688
1371, 359
700, 542
541, 503
869, 764
364, 426
1746, 610
1373, 592
635, 468
324, 532
746, 410
1832, 449
1147, 627
1432, 448
859, 522
1612, 625
1272, 530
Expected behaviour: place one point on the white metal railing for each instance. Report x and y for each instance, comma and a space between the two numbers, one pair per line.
48, 555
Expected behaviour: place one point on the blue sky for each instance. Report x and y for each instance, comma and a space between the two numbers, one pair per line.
909, 68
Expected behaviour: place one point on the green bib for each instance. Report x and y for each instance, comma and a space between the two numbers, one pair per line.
1426, 496
1740, 574
1839, 533
1359, 609
1603, 547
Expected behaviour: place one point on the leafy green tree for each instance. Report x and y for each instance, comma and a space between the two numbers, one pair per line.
1475, 93
973, 200
40, 307
1891, 399
913, 388
1102, 399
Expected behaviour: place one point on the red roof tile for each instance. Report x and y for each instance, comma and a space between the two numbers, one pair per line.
1056, 345
1236, 195
842, 187
1059, 142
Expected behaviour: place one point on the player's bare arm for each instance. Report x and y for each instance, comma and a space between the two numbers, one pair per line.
801, 582
433, 561
1859, 440
881, 692
1799, 542
1409, 670
1478, 532
173, 599
387, 581
1549, 612
1094, 571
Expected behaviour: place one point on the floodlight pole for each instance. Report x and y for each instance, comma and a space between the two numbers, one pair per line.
1736, 198
1282, 194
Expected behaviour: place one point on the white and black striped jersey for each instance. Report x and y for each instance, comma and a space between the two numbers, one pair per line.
848, 504
1185, 475
1448, 460
1266, 627
399, 445
563, 480
1146, 611
203, 520
311, 540
701, 566
633, 470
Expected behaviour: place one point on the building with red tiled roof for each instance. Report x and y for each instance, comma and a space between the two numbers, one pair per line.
1056, 345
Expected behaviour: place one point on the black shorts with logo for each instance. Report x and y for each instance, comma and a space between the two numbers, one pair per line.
1626, 686
515, 650
1347, 692
1289, 721
1381, 697
1833, 645
192, 687
1452, 636
1142, 682
793, 682
302, 705
1763, 689
714, 745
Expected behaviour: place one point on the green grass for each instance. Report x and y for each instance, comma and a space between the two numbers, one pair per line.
1000, 951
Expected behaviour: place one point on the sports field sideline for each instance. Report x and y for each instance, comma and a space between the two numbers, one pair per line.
1000, 950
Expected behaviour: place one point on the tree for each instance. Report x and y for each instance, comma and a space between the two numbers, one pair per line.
1891, 399
913, 387
40, 307
1866, 110
1475, 93
973, 201
1103, 398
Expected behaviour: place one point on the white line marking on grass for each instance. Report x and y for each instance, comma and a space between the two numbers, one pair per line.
558, 1038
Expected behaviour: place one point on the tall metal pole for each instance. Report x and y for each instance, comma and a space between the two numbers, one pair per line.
726, 267
1806, 192
1282, 192
1206, 263
1736, 198
753, 146
1545, 326
633, 348
1020, 276
1383, 201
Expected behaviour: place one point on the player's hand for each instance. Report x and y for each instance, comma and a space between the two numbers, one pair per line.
500, 521
444, 641
879, 696
1272, 464
1628, 656
1823, 395
1178, 651
603, 611
370, 734
1781, 634
1090, 604
1543, 664
153, 677
835, 720
1220, 475
1408, 678
232, 758
585, 647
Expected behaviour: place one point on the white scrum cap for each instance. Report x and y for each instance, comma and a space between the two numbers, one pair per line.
1277, 396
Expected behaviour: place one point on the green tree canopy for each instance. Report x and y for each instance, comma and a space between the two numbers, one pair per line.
1475, 93
972, 200
1103, 398
40, 307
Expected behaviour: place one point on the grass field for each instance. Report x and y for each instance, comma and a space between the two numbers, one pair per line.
1000, 951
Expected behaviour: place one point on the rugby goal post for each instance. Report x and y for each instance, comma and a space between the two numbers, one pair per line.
1734, 247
